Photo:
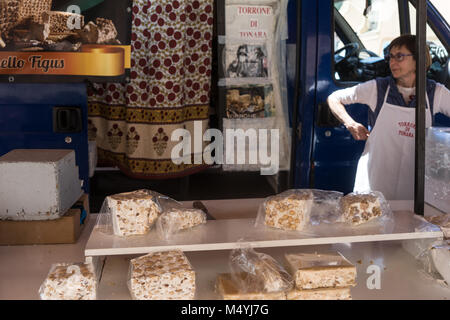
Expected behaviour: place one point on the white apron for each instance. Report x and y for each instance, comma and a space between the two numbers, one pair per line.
387, 163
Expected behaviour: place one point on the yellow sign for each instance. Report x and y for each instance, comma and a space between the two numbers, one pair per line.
93, 60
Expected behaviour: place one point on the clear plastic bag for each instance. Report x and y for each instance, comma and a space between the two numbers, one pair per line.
443, 222
440, 255
299, 209
433, 258
129, 213
358, 208
164, 275
254, 272
289, 210
174, 220
70, 281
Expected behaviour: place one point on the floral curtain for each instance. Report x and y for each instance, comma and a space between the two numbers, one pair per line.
169, 89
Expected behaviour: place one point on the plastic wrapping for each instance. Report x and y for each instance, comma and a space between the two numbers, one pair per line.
443, 222
433, 257
437, 168
254, 272
289, 210
129, 213
177, 219
362, 207
70, 281
164, 275
440, 255
253, 81
314, 271
227, 288
299, 209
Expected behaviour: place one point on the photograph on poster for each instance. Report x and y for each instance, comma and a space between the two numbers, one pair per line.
246, 61
251, 101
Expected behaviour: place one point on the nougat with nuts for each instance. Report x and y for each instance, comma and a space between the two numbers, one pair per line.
63, 22
164, 275
320, 294
228, 289
133, 213
312, 271
360, 208
290, 211
69, 282
175, 220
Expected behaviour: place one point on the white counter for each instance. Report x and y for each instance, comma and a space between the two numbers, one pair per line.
23, 268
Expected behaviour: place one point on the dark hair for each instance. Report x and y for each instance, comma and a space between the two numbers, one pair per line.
409, 41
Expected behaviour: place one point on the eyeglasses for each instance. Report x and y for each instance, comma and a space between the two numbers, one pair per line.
397, 57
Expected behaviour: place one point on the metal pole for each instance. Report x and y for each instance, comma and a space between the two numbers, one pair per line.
419, 182
295, 116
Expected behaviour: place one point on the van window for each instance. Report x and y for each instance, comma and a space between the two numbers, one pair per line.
438, 70
363, 28
443, 6
431, 36
375, 22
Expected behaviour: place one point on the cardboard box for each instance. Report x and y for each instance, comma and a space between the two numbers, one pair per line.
66, 229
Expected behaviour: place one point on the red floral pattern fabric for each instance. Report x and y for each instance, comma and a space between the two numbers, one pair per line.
170, 81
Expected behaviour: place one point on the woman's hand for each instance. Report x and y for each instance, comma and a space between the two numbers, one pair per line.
358, 131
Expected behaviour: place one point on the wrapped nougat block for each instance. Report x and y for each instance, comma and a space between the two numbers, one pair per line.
162, 276
133, 213
33, 9
63, 22
258, 272
360, 208
311, 271
69, 282
174, 220
288, 211
320, 294
227, 287
443, 221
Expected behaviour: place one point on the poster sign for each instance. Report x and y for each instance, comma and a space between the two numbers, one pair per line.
42, 39
249, 22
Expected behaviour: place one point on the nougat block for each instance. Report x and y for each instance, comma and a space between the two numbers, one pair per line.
229, 290
360, 208
289, 212
69, 282
162, 276
63, 22
175, 220
320, 294
133, 213
311, 271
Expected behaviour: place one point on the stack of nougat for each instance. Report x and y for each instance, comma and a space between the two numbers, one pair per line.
320, 276
254, 276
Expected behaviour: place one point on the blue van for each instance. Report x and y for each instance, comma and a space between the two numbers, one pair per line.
342, 46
